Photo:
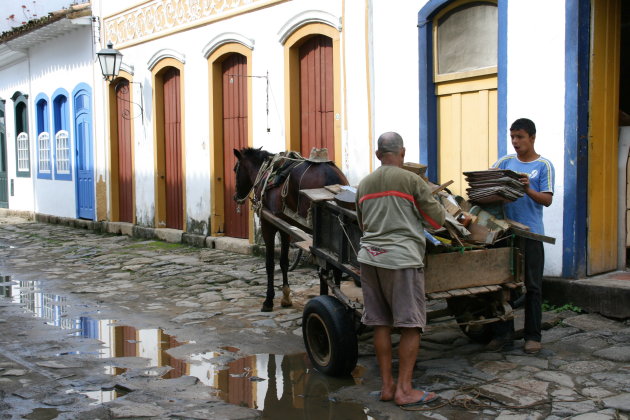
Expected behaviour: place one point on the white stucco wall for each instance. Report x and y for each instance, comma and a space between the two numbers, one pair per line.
395, 61
536, 91
268, 129
14, 79
62, 62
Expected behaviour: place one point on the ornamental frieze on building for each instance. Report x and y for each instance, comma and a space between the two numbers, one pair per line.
161, 17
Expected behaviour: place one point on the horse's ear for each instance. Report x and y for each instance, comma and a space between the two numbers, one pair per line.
237, 153
260, 148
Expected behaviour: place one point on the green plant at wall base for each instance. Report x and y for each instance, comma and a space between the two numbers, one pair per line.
547, 307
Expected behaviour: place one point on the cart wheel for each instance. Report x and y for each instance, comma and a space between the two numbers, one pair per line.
295, 256
472, 308
329, 336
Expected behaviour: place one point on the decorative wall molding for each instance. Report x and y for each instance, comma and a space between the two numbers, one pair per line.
127, 67
306, 17
226, 38
158, 18
165, 53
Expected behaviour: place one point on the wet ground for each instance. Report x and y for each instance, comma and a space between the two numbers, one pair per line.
103, 326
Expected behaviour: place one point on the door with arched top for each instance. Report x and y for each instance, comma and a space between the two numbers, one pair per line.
123, 152
234, 77
317, 95
173, 170
84, 154
465, 39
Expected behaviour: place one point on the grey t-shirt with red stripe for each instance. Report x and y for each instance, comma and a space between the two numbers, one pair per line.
393, 206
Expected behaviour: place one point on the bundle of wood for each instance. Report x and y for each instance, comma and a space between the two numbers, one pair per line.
494, 186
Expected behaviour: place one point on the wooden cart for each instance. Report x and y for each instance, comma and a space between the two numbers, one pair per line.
476, 285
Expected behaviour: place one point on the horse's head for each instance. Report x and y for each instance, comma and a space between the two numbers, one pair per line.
248, 162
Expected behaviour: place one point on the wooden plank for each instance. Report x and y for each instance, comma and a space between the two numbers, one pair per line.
295, 232
531, 235
305, 245
441, 187
318, 194
455, 270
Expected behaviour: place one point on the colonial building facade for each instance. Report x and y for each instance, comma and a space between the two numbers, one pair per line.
153, 147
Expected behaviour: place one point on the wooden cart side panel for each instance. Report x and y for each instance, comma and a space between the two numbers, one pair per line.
457, 270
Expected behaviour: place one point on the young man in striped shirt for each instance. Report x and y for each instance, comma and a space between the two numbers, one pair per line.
538, 178
393, 205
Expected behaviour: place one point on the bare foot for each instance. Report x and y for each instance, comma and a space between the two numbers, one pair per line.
387, 392
414, 396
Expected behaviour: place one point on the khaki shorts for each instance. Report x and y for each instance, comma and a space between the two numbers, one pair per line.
393, 298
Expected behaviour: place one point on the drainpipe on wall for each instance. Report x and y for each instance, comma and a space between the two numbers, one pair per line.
622, 206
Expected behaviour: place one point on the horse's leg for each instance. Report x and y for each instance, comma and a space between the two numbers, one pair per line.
269, 236
284, 267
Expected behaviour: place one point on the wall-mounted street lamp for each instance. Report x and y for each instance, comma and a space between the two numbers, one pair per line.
110, 60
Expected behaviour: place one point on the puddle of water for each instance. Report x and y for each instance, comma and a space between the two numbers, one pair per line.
42, 414
281, 386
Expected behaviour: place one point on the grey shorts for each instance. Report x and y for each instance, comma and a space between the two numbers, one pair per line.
393, 298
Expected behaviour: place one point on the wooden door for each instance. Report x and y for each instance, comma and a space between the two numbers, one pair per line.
4, 181
467, 128
84, 154
603, 136
316, 95
125, 178
173, 150
234, 77
465, 38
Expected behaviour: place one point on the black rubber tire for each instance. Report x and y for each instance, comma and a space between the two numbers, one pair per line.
329, 336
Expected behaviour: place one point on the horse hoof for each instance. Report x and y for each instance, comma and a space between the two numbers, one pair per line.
266, 308
286, 297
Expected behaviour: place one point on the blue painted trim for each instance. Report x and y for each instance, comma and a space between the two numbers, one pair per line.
61, 121
502, 70
83, 89
427, 118
577, 56
427, 103
42, 121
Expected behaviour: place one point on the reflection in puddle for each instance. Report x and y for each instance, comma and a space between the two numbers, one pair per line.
281, 386
42, 414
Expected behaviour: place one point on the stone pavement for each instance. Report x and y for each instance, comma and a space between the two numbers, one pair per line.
210, 299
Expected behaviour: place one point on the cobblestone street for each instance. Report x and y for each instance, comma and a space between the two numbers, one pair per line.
200, 308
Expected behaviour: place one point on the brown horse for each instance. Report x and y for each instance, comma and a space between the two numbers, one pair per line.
273, 194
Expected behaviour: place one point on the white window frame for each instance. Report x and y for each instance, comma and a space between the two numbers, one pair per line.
43, 161
62, 152
22, 152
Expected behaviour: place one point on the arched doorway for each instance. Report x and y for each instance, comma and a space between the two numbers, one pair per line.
235, 136
230, 87
316, 95
84, 151
121, 151
312, 90
169, 146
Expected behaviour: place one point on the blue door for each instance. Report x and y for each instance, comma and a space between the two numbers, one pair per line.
84, 155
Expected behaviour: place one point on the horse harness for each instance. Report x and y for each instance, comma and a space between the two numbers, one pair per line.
273, 173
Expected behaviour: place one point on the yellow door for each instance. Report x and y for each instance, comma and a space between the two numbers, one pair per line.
465, 76
467, 128
603, 136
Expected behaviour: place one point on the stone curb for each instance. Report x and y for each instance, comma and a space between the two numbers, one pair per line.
605, 296
241, 246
